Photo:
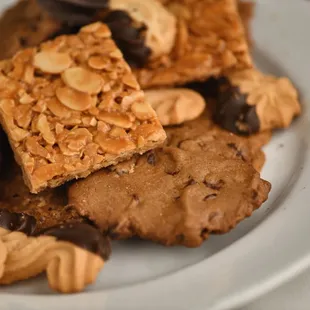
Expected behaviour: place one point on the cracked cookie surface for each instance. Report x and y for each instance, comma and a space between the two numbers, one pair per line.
173, 195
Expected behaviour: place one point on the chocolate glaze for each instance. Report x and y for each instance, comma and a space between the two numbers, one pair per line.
232, 111
74, 14
17, 222
82, 235
129, 38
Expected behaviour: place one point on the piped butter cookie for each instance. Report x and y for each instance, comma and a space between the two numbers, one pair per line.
250, 101
72, 255
175, 105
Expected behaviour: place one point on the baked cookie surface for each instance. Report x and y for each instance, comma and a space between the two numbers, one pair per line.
178, 194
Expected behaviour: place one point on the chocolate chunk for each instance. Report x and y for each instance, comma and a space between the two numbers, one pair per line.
233, 113
127, 34
82, 235
129, 37
215, 186
151, 158
17, 222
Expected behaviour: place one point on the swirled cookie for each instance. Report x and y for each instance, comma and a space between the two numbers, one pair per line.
175, 105
250, 101
72, 255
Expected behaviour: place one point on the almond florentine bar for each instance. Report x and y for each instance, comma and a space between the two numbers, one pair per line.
72, 106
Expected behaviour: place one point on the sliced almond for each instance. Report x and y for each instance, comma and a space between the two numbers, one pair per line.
83, 80
58, 109
25, 99
33, 147
44, 129
117, 54
92, 27
18, 134
40, 106
117, 132
23, 115
98, 62
114, 146
74, 99
113, 118
59, 128
103, 127
52, 62
7, 106
103, 32
89, 121
129, 80
142, 110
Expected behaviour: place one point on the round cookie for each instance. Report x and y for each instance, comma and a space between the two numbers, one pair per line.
174, 195
203, 129
175, 105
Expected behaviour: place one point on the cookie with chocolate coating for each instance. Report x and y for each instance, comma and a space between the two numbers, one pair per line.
250, 101
72, 255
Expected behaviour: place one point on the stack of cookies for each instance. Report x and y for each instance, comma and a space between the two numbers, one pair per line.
129, 118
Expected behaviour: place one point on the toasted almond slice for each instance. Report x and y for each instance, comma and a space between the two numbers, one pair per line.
92, 27
98, 62
130, 80
74, 99
83, 80
113, 118
52, 62
114, 146
142, 110
58, 109
44, 128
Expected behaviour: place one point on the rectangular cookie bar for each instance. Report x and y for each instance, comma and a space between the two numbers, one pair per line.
72, 106
210, 38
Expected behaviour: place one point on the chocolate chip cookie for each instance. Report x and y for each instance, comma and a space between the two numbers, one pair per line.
172, 195
204, 130
23, 25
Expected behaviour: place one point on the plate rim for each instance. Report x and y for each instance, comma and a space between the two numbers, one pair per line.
218, 301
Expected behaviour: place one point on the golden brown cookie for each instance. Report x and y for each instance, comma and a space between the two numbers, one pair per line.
203, 185
175, 105
204, 129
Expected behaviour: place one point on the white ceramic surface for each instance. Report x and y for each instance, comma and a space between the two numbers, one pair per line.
227, 271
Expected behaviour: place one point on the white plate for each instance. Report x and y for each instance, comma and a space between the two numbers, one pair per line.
261, 253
